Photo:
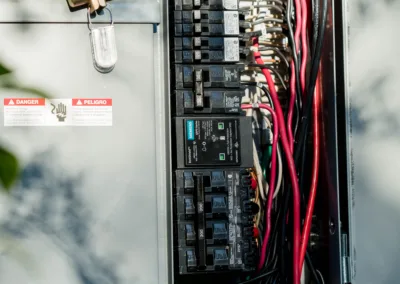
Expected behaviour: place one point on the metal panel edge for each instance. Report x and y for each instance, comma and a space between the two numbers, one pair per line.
349, 149
164, 176
57, 11
330, 126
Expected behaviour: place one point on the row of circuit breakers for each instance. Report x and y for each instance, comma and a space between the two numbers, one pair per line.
212, 140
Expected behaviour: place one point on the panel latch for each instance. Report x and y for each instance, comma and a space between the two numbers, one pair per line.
94, 5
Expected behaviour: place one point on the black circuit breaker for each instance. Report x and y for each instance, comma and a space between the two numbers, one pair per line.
214, 221
203, 36
209, 76
206, 4
216, 101
205, 43
206, 23
213, 141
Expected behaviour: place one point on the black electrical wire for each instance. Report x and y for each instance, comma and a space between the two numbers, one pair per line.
297, 107
292, 42
315, 24
274, 71
259, 33
272, 7
277, 2
311, 85
312, 268
283, 268
302, 178
284, 271
278, 52
266, 20
259, 277
318, 37
272, 253
306, 115
263, 88
268, 95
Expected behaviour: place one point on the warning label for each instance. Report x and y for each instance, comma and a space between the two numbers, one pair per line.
91, 112
92, 102
57, 112
24, 112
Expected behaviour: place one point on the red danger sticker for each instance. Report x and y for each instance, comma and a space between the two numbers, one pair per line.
91, 102
24, 102
57, 112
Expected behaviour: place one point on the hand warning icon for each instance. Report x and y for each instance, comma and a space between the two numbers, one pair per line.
60, 111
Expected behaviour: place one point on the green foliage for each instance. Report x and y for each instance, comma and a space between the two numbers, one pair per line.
4, 70
9, 166
12, 85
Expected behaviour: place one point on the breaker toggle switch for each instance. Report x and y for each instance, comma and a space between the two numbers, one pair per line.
198, 89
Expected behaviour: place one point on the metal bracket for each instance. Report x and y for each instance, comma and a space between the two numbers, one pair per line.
94, 5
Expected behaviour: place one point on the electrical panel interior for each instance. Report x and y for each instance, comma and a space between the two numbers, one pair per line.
245, 87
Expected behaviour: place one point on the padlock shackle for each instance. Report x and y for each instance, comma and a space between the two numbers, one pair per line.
90, 20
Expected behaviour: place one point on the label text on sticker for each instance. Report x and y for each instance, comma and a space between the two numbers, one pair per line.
58, 112
190, 129
91, 102
24, 102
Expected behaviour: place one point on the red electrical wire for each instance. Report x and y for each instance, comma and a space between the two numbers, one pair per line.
271, 183
291, 106
298, 11
290, 162
304, 47
315, 170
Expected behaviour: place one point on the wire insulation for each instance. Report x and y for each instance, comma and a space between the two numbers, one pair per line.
272, 180
291, 166
315, 171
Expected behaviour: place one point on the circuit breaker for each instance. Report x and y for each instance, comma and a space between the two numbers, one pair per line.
212, 141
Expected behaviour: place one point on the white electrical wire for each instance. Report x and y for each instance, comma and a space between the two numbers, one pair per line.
279, 156
279, 182
258, 18
320, 274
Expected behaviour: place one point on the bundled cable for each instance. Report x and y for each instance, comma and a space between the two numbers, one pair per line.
283, 88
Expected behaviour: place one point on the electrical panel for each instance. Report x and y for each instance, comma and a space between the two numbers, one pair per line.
212, 142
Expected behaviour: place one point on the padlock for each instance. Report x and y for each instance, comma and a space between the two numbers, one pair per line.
104, 47
94, 5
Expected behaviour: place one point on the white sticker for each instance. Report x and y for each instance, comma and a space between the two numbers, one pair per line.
24, 112
57, 112
231, 49
231, 22
230, 4
91, 112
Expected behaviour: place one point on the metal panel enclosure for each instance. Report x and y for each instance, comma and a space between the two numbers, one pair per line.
91, 206
56, 11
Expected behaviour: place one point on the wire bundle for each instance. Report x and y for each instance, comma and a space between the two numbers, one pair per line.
283, 91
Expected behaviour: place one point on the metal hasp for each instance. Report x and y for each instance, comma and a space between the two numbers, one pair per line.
94, 5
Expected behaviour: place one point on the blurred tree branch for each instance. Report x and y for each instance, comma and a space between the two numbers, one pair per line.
9, 165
